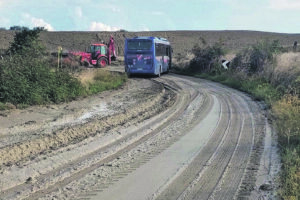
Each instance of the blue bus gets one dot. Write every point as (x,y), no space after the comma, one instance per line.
(147,55)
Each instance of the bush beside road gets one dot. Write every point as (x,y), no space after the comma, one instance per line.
(28,77)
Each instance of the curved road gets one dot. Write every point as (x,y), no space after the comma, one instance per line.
(212,159)
(204,142)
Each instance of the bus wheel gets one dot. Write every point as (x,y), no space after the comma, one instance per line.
(102,62)
(128,74)
(159,73)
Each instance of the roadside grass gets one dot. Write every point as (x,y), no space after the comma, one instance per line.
(3,106)
(259,88)
(274,78)
(288,61)
(102,80)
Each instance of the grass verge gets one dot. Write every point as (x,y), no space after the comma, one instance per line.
(105,80)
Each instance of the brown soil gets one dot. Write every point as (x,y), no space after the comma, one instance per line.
(182,41)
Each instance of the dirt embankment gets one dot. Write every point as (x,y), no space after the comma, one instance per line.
(182,41)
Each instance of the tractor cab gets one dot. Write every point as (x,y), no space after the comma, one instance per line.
(98,49)
(98,54)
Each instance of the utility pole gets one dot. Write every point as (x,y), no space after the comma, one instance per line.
(59,56)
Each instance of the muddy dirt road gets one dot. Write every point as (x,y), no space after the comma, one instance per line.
(173,137)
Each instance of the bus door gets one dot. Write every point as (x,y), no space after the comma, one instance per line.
(167,58)
(164,58)
(170,50)
(161,56)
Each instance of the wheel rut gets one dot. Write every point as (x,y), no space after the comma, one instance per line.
(223,170)
(197,139)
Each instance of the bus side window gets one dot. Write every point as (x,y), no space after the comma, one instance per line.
(157,49)
(162,50)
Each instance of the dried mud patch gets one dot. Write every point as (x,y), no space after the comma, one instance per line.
(139,103)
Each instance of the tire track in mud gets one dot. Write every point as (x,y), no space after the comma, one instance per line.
(233,174)
(28,186)
(224,168)
(229,182)
(181,107)
(178,186)
(240,175)
(163,99)
(154,147)
(216,166)
(177,110)
(37,121)
(9,155)
(228,170)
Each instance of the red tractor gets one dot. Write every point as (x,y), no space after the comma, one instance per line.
(98,54)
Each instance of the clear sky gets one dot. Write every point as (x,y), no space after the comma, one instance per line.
(152,15)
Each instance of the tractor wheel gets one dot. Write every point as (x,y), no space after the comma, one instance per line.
(86,63)
(80,63)
(102,62)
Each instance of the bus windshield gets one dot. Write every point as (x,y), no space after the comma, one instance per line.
(139,45)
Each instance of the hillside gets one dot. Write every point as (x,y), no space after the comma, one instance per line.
(182,41)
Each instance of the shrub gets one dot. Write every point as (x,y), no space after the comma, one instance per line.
(257,57)
(237,62)
(287,115)
(26,76)
(180,57)
(206,59)
(28,80)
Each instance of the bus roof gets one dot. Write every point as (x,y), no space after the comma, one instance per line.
(156,39)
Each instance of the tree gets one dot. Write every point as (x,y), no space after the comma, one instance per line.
(26,40)
(18,28)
